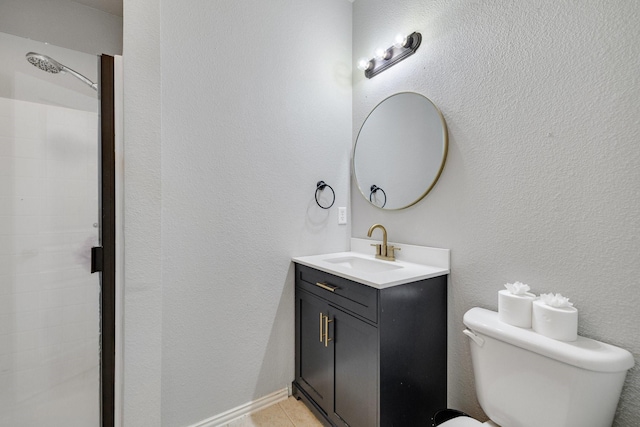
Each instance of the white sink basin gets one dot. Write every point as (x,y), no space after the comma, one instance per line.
(360,265)
(363,264)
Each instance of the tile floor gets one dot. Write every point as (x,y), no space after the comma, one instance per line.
(287,413)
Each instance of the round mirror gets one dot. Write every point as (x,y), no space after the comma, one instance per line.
(400,151)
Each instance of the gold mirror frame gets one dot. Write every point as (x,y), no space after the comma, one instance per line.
(387,123)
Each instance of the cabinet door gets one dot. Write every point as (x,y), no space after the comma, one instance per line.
(314,359)
(355,349)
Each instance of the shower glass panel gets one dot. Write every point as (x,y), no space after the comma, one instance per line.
(49,219)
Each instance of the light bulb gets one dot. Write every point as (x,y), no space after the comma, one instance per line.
(383,53)
(400,41)
(364,64)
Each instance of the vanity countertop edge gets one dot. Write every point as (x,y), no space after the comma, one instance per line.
(417,262)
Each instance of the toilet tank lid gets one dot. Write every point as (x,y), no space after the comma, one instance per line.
(583,353)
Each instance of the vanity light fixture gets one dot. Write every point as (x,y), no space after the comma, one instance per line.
(403,47)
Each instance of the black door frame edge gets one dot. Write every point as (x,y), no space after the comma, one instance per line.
(107,241)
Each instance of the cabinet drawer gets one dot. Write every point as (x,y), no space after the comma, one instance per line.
(355,297)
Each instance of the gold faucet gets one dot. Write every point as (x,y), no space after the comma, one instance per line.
(383,251)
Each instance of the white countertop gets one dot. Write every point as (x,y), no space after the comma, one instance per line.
(412,263)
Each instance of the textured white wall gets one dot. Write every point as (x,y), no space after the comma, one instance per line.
(142,215)
(541,184)
(254,107)
(63,23)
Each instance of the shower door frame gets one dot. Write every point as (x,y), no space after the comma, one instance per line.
(107,240)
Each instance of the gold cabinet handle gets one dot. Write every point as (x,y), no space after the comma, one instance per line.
(330,288)
(326,331)
(321,334)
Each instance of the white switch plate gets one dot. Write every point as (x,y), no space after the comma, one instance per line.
(342,215)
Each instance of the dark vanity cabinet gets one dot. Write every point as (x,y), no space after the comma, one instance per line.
(370,357)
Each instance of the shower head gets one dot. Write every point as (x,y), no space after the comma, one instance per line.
(52,66)
(45,63)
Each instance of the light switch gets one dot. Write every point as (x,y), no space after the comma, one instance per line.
(342,215)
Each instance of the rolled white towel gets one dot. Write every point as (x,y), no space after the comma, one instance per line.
(514,305)
(555,317)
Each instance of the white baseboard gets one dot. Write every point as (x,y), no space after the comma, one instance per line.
(242,410)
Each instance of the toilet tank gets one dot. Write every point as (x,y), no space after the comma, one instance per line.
(524,379)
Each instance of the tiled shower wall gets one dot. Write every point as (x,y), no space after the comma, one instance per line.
(49,301)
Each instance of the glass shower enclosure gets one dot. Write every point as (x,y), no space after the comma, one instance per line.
(49,221)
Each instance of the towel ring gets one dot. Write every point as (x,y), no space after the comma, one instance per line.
(321,185)
(374,190)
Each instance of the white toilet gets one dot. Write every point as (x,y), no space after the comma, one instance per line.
(524,379)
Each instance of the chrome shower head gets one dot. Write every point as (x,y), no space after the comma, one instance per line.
(45,63)
(52,66)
